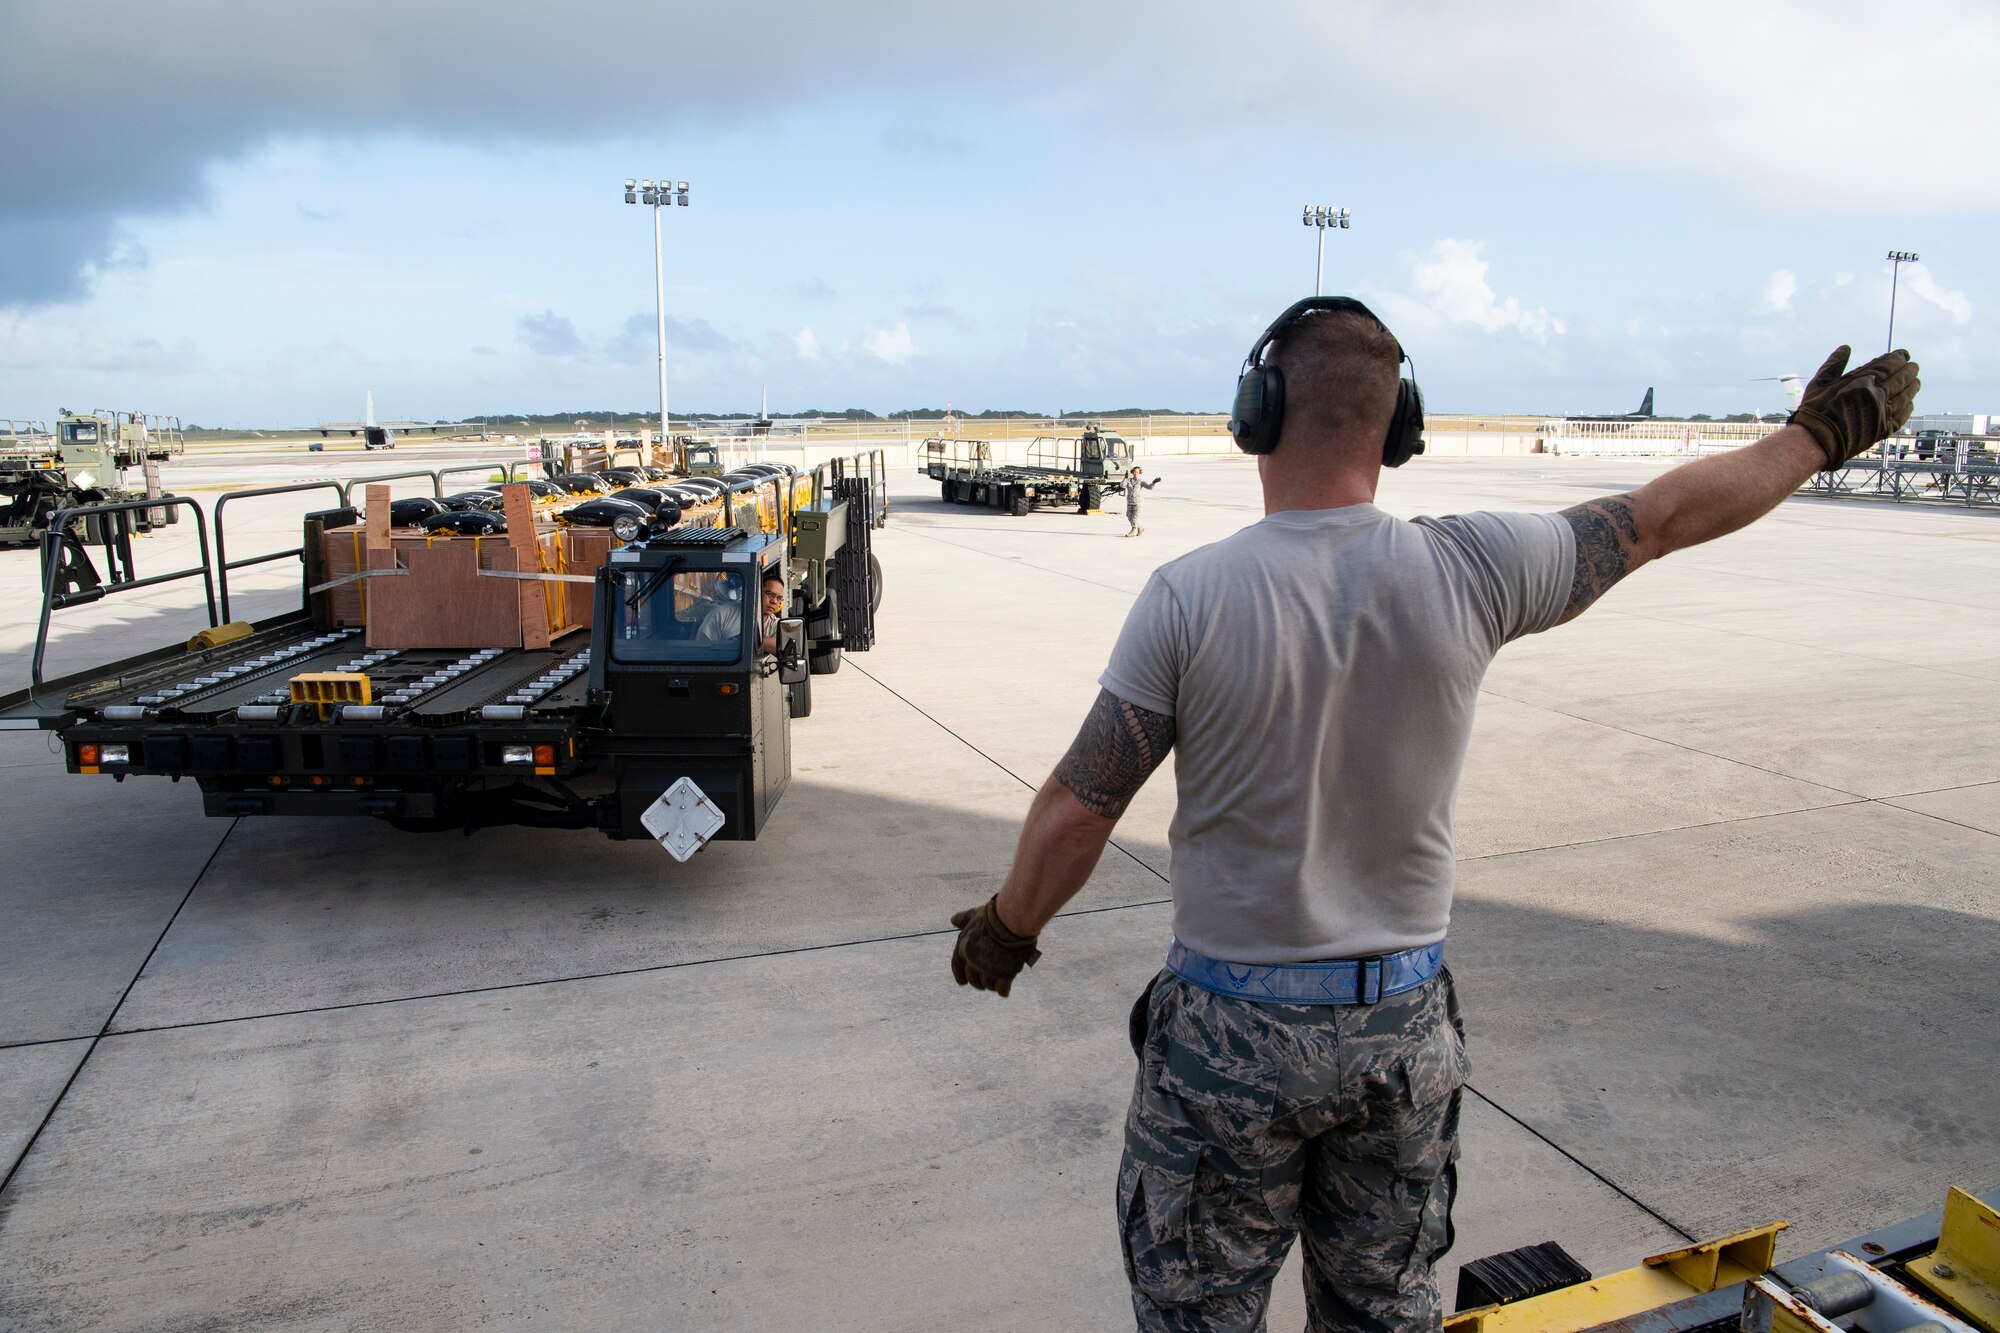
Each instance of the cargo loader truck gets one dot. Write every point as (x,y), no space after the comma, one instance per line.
(662,718)
(1061,471)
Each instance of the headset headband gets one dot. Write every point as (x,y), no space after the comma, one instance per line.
(1314,305)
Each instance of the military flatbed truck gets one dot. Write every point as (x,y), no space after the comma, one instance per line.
(84,461)
(662,719)
(1061,471)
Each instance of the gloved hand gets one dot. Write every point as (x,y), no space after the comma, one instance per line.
(1848,411)
(988,956)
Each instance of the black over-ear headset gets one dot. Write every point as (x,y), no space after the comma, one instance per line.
(1259,415)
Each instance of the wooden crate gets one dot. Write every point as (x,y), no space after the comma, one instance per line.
(454,592)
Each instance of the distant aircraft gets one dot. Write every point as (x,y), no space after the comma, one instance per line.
(1795,387)
(1645,412)
(382,434)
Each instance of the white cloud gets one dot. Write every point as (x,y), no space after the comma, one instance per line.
(892,346)
(1779,289)
(1760,100)
(1917,277)
(61,345)
(1450,282)
(805,344)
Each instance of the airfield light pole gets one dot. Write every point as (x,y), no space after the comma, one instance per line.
(1897,258)
(659,195)
(1324,217)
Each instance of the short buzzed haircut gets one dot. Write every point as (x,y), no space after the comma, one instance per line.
(1340,371)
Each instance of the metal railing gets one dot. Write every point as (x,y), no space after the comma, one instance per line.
(115,539)
(223,564)
(344,490)
(1950,471)
(437,484)
(17,433)
(505,468)
(1651,438)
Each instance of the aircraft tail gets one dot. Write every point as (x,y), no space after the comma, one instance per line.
(371,406)
(1646,404)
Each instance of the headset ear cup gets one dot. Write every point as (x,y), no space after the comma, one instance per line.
(1259,415)
(1406,426)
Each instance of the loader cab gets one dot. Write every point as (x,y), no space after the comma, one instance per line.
(1101,455)
(704,460)
(87,447)
(676,663)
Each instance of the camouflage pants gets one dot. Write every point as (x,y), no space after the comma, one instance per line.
(1254,1123)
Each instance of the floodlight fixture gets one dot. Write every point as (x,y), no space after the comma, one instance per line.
(1323,217)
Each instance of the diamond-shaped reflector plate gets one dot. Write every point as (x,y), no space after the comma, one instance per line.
(683,819)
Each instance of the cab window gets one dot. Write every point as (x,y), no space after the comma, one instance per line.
(680,617)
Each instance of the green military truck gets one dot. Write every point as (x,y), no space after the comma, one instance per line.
(1061,470)
(87,460)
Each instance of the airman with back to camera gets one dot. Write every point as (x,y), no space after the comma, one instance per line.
(1301,1053)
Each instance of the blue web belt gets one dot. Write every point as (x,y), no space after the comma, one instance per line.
(1333,981)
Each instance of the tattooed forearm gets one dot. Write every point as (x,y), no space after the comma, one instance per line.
(1117,749)
(1606,534)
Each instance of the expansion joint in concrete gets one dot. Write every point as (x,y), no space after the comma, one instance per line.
(941,726)
(1590,1170)
(112,1016)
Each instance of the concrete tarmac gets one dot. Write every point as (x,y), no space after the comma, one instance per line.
(1729,896)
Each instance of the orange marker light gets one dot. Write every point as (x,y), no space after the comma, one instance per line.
(545,755)
(86,754)
(727,687)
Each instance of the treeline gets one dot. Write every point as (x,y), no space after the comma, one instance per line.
(613,420)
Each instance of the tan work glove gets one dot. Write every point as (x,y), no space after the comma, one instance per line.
(988,956)
(1848,411)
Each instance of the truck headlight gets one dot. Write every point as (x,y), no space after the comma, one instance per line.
(114,754)
(1028,491)
(517,754)
(626,528)
(83,478)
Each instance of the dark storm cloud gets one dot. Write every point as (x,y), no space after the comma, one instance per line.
(115,108)
(42,257)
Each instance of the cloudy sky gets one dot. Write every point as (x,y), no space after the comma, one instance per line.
(249,213)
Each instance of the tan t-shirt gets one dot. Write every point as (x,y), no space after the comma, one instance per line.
(1321,667)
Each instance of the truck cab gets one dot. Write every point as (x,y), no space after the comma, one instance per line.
(701,460)
(1101,455)
(687,692)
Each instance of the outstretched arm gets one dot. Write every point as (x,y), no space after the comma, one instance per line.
(1841,413)
(1117,749)
(1703,500)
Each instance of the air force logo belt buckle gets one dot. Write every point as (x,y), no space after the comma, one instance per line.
(1332,981)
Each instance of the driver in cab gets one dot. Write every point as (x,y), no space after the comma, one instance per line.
(724,620)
